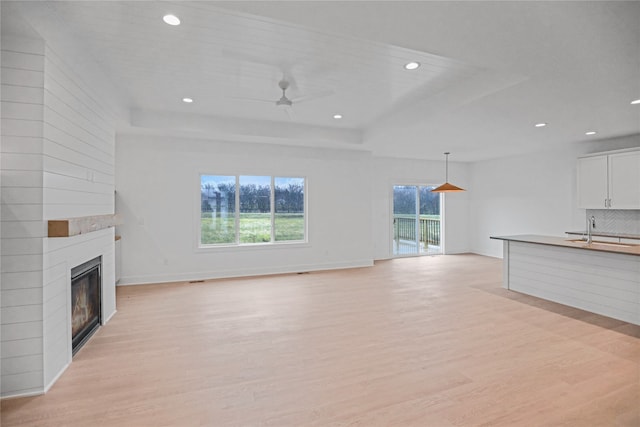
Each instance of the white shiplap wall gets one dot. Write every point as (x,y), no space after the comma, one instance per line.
(22,227)
(57,162)
(599,282)
(78,146)
(78,180)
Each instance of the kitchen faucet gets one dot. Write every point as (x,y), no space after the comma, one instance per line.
(591,224)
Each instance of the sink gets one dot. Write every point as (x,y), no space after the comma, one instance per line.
(597,243)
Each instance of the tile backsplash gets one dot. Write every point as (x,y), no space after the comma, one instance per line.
(616,221)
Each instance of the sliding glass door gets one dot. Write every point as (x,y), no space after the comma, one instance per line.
(416,221)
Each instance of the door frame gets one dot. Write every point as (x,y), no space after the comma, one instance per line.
(390,222)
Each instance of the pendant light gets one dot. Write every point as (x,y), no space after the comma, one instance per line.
(446,187)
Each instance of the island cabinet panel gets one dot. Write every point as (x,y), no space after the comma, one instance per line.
(599,282)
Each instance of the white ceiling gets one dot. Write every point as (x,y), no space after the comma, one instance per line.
(490,70)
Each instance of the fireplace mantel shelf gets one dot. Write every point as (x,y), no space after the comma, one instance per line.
(81,225)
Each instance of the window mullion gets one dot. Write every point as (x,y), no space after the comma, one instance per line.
(417,223)
(273,209)
(237,209)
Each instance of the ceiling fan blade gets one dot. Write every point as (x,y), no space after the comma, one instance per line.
(312,97)
(283,65)
(241,98)
(247,57)
(289,112)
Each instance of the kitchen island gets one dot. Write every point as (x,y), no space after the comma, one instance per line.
(600,277)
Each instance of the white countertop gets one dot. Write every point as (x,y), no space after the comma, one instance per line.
(629,249)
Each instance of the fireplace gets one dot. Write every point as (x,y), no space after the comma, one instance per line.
(86,282)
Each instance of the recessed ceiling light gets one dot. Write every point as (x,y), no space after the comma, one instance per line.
(411,65)
(540,125)
(591,132)
(187,100)
(171,19)
(636,101)
(337,116)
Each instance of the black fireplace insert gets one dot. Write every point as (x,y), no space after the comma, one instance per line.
(86,283)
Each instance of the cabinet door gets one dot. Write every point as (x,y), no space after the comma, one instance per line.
(624,180)
(592,182)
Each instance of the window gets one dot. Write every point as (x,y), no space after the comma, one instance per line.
(217,218)
(255,209)
(289,209)
(236,210)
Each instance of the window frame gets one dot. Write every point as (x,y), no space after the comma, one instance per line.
(237,245)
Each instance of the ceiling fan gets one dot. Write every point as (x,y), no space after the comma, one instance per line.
(284,102)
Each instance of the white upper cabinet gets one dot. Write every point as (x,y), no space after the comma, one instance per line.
(593,190)
(624,180)
(609,181)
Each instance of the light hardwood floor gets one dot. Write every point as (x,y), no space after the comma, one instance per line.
(431,341)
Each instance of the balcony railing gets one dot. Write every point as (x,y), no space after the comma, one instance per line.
(404,228)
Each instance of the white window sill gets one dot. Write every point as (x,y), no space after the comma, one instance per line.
(251,247)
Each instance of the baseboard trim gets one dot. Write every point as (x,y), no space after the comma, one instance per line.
(109,318)
(228,274)
(457,251)
(18,395)
(53,381)
(36,392)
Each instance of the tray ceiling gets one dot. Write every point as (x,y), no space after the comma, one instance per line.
(488,72)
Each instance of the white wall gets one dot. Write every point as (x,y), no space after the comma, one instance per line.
(57,162)
(78,180)
(22,214)
(350,197)
(390,171)
(157,183)
(532,194)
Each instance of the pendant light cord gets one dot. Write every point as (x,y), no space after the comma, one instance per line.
(446,167)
